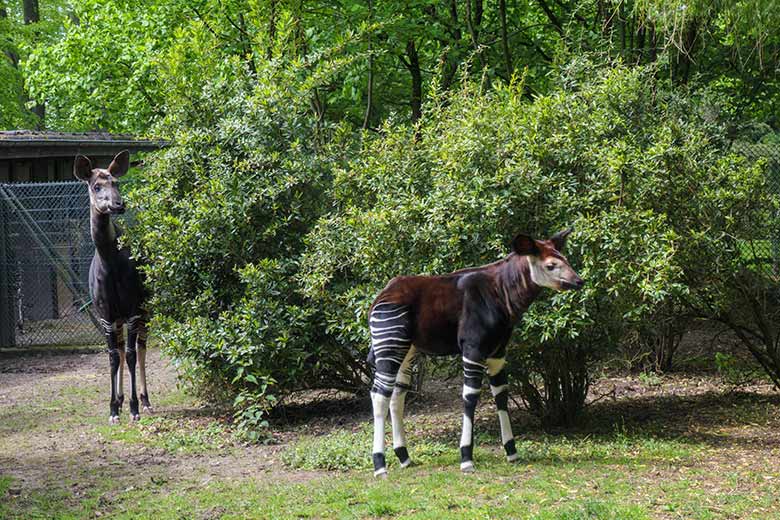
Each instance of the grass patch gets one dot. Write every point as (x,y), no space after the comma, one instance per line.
(498,490)
(347,450)
(173,435)
(5,485)
(350,450)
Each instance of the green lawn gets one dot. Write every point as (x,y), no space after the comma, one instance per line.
(708,454)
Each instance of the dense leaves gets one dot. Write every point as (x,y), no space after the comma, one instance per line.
(222,220)
(119,64)
(637,171)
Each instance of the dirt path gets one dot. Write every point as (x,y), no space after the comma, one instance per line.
(54,432)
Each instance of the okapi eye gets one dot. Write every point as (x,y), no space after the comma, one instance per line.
(550,267)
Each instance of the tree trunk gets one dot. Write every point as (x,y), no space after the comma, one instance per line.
(452,57)
(471,23)
(505,40)
(31,11)
(31,15)
(640,42)
(370,85)
(412,63)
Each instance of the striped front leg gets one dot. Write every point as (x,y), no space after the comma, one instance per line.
(499,387)
(112,338)
(473,372)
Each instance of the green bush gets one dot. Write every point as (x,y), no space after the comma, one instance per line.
(223,214)
(642,175)
(267,233)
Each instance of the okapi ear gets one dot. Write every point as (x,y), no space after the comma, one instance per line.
(524,245)
(559,238)
(120,164)
(82,168)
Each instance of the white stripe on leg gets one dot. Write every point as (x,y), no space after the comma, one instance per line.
(381,404)
(398,400)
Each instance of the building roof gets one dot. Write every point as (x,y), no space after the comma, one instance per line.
(31,144)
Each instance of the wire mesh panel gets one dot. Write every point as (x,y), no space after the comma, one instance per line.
(45,253)
(764,247)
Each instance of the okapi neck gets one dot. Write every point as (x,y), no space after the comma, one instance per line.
(103,234)
(517,288)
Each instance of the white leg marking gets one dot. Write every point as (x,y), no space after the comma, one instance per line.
(494,365)
(467,390)
(398,400)
(142,370)
(495,390)
(380,404)
(465,437)
(506,427)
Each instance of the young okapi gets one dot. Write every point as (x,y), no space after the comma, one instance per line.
(470,313)
(115,283)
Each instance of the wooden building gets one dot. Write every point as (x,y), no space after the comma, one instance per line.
(36,156)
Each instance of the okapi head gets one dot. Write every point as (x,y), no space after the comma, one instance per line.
(104,194)
(549,268)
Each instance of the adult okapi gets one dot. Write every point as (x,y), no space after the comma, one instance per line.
(114,282)
(471,313)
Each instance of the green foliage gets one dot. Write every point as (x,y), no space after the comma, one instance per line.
(16,41)
(640,173)
(341,451)
(119,65)
(224,212)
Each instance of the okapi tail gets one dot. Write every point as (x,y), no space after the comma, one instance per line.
(371,359)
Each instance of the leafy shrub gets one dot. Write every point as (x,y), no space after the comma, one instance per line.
(223,214)
(643,175)
(267,235)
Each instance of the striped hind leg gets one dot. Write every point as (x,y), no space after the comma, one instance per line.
(390,342)
(397,401)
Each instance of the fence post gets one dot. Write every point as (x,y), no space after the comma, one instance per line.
(7,315)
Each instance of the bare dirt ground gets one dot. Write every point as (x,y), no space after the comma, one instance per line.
(52,412)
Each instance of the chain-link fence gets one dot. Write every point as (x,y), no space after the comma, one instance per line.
(763,248)
(45,253)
